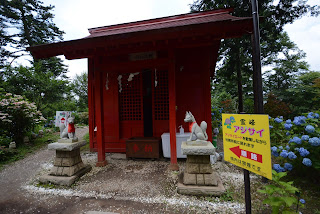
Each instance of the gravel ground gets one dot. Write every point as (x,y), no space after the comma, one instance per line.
(123,186)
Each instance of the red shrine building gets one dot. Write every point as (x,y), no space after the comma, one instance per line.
(143,76)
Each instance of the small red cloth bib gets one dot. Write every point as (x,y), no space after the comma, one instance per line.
(71,128)
(190,126)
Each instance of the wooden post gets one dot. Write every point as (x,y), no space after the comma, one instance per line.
(99,118)
(91,102)
(172,113)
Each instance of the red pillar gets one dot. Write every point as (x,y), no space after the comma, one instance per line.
(172,113)
(91,102)
(99,118)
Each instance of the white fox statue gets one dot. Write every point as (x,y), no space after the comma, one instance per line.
(197,132)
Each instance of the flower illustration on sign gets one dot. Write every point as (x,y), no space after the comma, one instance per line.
(229,121)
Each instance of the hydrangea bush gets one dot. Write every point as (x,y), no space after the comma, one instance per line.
(296,144)
(17,116)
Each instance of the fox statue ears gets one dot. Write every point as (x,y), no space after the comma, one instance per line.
(189,113)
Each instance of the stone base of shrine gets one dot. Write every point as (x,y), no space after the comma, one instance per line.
(64,180)
(200,190)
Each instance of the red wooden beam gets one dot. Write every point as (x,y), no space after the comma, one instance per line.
(172,113)
(99,117)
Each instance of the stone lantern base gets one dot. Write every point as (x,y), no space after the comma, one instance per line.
(68,165)
(199,178)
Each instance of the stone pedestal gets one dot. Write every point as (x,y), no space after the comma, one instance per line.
(199,178)
(68,165)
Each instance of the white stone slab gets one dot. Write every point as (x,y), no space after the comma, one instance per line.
(66,146)
(192,148)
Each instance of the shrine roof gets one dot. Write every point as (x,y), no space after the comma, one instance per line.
(170,27)
(166,22)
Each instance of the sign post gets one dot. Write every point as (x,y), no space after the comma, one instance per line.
(246,143)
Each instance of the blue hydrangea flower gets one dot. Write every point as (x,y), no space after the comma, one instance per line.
(270,127)
(307,162)
(280,147)
(316,115)
(291,155)
(284,153)
(305,137)
(296,140)
(299,120)
(288,121)
(310,115)
(287,147)
(303,152)
(212,114)
(275,153)
(270,117)
(288,133)
(314,141)
(278,120)
(278,168)
(302,201)
(274,149)
(287,126)
(288,166)
(309,129)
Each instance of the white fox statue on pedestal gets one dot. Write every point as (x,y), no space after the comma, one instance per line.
(197,132)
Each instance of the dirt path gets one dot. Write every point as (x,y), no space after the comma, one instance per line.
(123,186)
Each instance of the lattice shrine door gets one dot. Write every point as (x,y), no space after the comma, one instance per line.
(143,103)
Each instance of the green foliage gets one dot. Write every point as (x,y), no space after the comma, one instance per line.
(79,87)
(18,116)
(43,88)
(305,93)
(234,65)
(227,196)
(281,195)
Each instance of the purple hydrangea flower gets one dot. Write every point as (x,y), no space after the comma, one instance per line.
(278,120)
(305,137)
(314,141)
(278,168)
(287,126)
(291,155)
(302,201)
(296,140)
(307,162)
(288,166)
(284,153)
(303,152)
(309,129)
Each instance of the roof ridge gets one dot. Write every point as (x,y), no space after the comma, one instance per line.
(160,20)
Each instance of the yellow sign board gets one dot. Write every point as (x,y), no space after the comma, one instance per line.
(246,142)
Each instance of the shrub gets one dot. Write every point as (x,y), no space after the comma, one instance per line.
(300,147)
(18,116)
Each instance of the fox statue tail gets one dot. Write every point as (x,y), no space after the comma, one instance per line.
(204,126)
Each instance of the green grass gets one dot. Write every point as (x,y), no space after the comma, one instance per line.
(25,149)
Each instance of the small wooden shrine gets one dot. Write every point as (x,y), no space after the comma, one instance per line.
(143,76)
